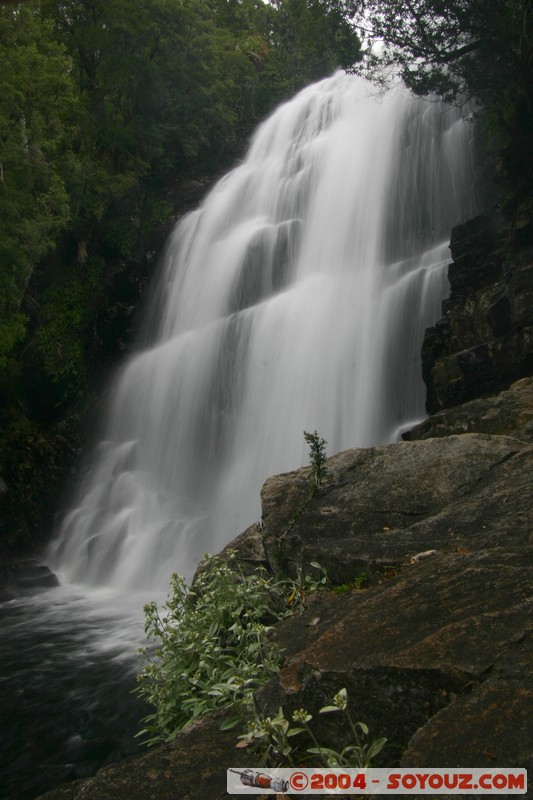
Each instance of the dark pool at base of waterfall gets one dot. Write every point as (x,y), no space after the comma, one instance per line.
(67,672)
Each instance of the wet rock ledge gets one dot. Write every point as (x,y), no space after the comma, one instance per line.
(436,652)
(24,577)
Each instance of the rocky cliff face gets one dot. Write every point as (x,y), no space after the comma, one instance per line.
(484,341)
(436,649)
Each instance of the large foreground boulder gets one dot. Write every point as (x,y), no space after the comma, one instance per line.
(381,507)
(436,651)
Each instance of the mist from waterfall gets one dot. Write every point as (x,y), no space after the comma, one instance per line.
(295,298)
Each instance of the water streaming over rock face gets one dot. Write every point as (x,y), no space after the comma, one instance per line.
(294,298)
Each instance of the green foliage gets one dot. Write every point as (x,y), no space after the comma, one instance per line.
(268,736)
(66,312)
(213,646)
(463,49)
(441,45)
(37,93)
(305,585)
(317,455)
(358,754)
(12,330)
(357,583)
(272,738)
(309,39)
(213,649)
(35,461)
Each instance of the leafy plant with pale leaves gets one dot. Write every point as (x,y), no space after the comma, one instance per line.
(213,647)
(214,651)
(271,737)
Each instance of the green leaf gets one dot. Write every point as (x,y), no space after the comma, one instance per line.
(375,748)
(295,731)
(229,724)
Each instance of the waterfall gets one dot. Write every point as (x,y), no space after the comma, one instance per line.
(295,298)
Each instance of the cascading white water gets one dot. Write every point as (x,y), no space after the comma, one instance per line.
(295,298)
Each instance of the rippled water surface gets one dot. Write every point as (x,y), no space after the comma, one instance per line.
(67,670)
